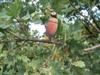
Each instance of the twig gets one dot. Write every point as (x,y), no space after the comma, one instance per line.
(19,39)
(14,34)
(38,40)
(33,40)
(92,48)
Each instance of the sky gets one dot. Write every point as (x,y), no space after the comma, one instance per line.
(37,27)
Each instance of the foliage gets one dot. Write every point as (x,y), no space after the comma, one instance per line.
(37,58)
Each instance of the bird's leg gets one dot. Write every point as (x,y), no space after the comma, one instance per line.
(51,39)
(48,38)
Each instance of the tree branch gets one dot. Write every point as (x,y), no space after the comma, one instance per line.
(14,34)
(38,40)
(92,48)
(33,40)
(20,39)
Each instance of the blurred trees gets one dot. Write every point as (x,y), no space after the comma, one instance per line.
(22,55)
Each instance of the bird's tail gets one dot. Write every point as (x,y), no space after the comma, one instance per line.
(45,37)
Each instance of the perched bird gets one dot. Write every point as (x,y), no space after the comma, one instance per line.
(52,25)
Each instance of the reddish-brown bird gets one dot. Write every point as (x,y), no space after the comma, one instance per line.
(52,25)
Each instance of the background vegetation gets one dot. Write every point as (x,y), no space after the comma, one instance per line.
(22,55)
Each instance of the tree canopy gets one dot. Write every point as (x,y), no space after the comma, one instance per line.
(75,49)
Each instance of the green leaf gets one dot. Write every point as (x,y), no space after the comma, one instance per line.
(1,34)
(35,64)
(59,5)
(79,63)
(31,9)
(4,54)
(15,8)
(3,14)
(56,68)
(23,58)
(26,17)
(4,26)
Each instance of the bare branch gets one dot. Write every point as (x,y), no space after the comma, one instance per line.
(14,34)
(92,48)
(33,40)
(44,41)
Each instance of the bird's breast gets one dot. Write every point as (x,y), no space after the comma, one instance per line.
(51,28)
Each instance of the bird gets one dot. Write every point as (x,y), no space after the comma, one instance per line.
(52,25)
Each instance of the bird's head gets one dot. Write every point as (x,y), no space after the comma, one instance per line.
(54,14)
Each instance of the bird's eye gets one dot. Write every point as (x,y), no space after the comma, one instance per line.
(53,13)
